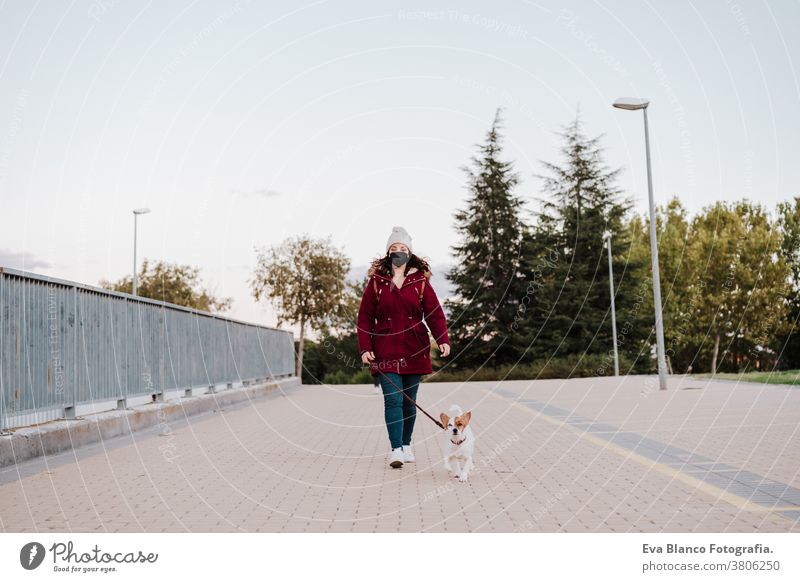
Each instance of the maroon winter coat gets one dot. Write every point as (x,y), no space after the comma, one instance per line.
(390,323)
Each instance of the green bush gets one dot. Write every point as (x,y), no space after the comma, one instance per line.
(560,367)
(362,377)
(586,366)
(337,377)
(342,377)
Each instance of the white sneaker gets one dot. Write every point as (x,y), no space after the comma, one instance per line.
(396,458)
(408,456)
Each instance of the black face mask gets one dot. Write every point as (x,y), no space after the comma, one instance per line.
(399,258)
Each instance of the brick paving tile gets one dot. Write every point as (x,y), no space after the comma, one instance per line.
(593,455)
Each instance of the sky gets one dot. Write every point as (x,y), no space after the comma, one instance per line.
(240,124)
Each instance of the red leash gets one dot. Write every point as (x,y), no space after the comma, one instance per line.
(407,397)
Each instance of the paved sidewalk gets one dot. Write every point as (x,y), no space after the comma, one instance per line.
(579,455)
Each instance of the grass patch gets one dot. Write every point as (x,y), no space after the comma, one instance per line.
(777,377)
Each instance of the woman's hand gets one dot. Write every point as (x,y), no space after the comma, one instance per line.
(445,349)
(367,357)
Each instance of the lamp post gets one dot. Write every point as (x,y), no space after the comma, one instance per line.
(633,104)
(136,214)
(607,238)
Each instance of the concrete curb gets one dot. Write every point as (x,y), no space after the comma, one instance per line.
(54,437)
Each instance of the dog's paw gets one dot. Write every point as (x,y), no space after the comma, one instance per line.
(462,478)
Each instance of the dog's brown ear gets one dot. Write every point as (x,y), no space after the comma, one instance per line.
(445,419)
(465,417)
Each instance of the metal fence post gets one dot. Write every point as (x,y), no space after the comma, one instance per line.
(3,421)
(162,344)
(70,392)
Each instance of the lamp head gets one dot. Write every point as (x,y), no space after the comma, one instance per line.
(141,211)
(631,103)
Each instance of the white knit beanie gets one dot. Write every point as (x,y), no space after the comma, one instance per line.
(399,235)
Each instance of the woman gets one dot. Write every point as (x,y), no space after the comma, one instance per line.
(392,339)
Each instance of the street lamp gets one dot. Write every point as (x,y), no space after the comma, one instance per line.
(607,238)
(136,214)
(632,104)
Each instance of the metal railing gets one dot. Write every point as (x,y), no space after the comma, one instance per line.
(64,344)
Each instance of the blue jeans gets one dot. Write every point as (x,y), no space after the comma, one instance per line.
(398,412)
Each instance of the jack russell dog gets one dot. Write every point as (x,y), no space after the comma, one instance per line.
(461,442)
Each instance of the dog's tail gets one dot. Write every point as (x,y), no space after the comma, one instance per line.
(455,410)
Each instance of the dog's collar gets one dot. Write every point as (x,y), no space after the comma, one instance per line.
(459,442)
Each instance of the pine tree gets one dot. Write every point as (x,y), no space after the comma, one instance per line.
(571,314)
(486,279)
